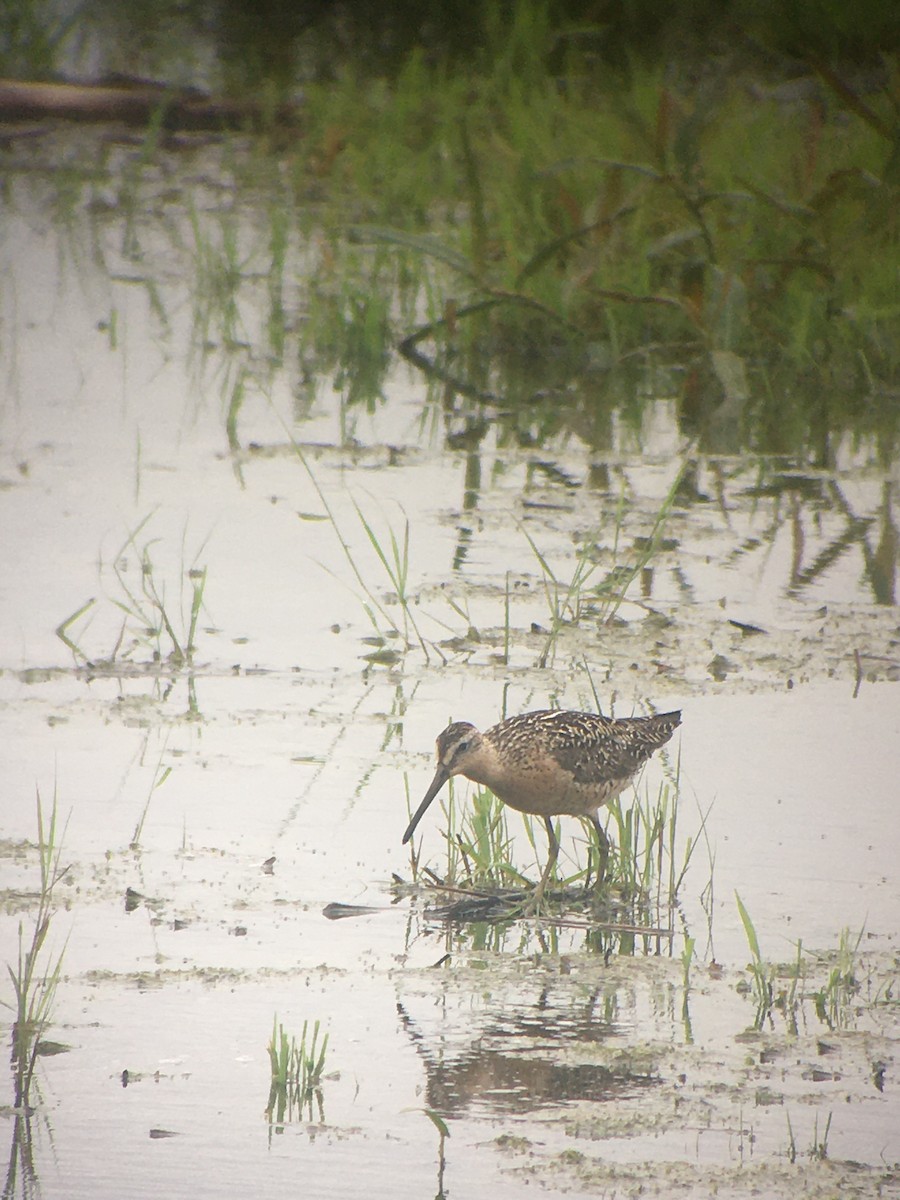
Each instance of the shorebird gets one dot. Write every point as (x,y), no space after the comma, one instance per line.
(550,763)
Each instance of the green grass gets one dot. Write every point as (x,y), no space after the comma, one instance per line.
(762,975)
(160,775)
(392,554)
(155,627)
(395,613)
(484,844)
(523,218)
(575,598)
(686,222)
(36,973)
(785,988)
(297,1069)
(833,999)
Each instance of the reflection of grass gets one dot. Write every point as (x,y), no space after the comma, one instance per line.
(742,256)
(219,275)
(35,979)
(297,1069)
(525,210)
(687,959)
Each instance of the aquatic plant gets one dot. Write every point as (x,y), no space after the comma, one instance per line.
(786,987)
(651,227)
(819,1147)
(393,556)
(833,998)
(220,272)
(644,876)
(569,601)
(443,1133)
(761,973)
(152,623)
(485,844)
(297,1069)
(35,975)
(160,775)
(527,216)
(687,961)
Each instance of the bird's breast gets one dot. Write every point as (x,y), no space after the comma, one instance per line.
(546,792)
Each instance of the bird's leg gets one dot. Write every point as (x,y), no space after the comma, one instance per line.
(538,894)
(602,850)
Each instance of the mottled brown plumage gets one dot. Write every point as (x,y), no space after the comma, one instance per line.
(550,763)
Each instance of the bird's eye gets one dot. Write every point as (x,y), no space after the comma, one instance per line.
(462,747)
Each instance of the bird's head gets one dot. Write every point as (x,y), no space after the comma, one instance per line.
(456,749)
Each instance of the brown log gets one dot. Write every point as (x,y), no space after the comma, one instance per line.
(136,104)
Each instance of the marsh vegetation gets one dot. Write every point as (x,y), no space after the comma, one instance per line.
(502,362)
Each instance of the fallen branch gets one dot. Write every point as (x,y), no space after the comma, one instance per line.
(135,104)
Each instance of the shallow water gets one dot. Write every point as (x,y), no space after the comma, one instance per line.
(282,739)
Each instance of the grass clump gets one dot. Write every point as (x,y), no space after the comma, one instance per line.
(297,1070)
(679,221)
(517,216)
(785,988)
(644,875)
(153,626)
(484,845)
(570,600)
(833,998)
(36,974)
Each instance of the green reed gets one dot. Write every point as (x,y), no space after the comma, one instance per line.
(36,974)
(154,626)
(762,974)
(572,598)
(833,998)
(485,843)
(394,558)
(297,1069)
(646,868)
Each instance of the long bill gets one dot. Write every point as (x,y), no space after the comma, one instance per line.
(440,778)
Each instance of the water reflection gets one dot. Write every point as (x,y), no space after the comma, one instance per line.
(484,920)
(21,1173)
(535,438)
(515,1062)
